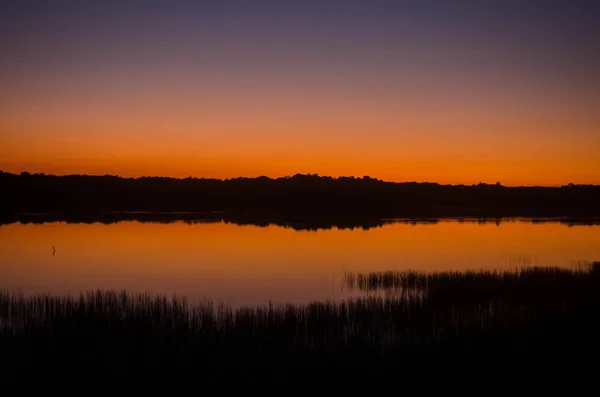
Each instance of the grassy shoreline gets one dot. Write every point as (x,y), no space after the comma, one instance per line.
(534,310)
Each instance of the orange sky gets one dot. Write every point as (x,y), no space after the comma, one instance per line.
(401,94)
(445,147)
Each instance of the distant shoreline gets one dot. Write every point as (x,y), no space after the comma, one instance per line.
(293,199)
(341,178)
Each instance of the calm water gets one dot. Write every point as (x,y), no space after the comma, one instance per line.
(251,265)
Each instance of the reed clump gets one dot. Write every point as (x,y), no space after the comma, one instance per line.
(529,310)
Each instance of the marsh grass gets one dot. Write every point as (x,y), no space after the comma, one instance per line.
(530,310)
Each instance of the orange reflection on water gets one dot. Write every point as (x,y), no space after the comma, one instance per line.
(252,265)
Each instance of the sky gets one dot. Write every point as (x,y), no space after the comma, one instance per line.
(462,91)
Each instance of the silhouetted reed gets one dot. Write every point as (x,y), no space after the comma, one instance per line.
(528,310)
(520,285)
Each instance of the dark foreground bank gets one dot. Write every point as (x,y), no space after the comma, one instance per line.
(529,312)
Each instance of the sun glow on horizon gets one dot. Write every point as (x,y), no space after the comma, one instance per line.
(398,92)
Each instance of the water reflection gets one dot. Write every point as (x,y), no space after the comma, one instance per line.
(227,260)
(303,222)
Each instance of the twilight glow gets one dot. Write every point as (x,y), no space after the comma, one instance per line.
(442,91)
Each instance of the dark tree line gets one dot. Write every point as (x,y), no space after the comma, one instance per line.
(295,197)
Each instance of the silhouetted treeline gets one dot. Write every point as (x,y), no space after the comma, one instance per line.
(286,197)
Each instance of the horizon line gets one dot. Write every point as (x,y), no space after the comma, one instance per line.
(364,177)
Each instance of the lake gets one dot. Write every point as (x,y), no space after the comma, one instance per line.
(252,265)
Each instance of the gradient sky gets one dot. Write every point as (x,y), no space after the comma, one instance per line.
(444,91)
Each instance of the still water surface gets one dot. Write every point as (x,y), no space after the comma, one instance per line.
(251,265)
